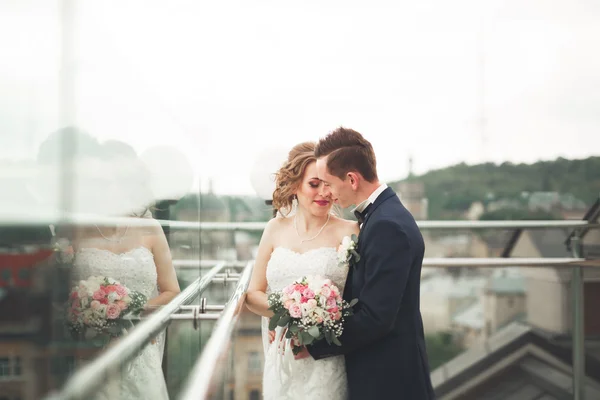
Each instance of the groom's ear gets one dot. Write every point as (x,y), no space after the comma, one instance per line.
(354,178)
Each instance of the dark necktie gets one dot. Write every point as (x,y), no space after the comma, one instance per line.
(360,216)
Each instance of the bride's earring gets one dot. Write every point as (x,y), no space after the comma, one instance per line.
(295,201)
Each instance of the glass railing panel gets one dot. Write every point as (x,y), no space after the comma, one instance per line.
(84,179)
(186,338)
(238,371)
(184,346)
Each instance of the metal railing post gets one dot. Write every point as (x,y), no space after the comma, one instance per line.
(578,322)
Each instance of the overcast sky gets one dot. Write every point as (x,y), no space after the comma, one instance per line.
(224,80)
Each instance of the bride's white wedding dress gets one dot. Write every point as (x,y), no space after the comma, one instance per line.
(306,378)
(143,378)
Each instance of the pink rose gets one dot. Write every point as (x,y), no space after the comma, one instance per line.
(331,303)
(288,290)
(295,311)
(288,304)
(95,304)
(338,316)
(299,288)
(76,303)
(113,311)
(110,288)
(325,291)
(121,291)
(99,294)
(333,310)
(312,304)
(319,320)
(308,293)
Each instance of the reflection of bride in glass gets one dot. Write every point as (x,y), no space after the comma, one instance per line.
(113,181)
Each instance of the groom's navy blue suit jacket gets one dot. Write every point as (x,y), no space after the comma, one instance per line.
(383,341)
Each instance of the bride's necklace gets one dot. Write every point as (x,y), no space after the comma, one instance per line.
(314,237)
(112,239)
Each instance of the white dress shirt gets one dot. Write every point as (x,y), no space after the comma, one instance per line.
(371,199)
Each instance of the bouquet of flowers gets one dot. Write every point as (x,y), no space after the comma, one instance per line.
(98,306)
(311,309)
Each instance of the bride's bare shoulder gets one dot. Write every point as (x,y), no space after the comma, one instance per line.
(276,224)
(346,227)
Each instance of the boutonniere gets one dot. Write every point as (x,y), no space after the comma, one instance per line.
(347,253)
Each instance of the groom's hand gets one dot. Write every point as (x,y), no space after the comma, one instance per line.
(302,354)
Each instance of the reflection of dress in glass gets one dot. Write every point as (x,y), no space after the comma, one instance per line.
(143,378)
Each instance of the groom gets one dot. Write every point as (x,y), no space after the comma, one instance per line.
(383,342)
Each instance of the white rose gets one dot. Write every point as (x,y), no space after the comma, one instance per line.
(346,242)
(315,283)
(101,311)
(112,296)
(305,309)
(93,286)
(84,302)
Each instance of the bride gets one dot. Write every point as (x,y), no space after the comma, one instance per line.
(138,257)
(302,240)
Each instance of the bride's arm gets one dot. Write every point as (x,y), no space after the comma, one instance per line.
(256,297)
(167,278)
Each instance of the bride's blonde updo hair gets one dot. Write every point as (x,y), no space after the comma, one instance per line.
(289,176)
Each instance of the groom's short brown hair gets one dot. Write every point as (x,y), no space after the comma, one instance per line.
(347,150)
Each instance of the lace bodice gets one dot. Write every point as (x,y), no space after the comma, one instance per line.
(286,266)
(309,379)
(134,268)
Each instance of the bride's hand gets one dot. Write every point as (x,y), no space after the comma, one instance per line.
(271,336)
(302,354)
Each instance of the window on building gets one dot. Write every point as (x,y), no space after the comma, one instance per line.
(254,362)
(17,366)
(4,366)
(5,276)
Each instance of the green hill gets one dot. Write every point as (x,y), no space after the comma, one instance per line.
(453,189)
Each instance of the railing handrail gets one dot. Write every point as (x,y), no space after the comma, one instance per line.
(446,262)
(198,383)
(202,264)
(40,220)
(88,378)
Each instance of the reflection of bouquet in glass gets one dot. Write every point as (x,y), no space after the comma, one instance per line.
(98,306)
(311,309)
